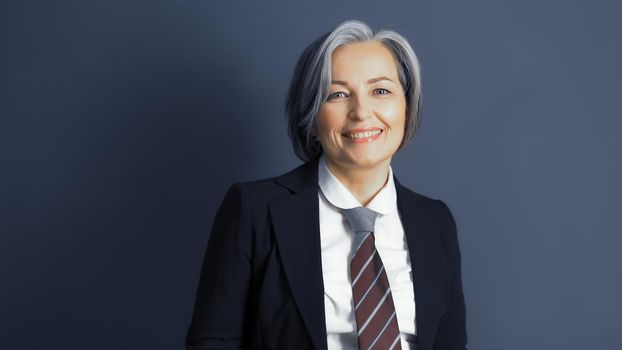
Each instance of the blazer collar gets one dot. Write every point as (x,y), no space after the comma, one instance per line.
(295,219)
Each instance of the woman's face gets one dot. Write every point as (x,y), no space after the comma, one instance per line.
(361,124)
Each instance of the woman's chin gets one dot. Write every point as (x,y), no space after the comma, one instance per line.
(366,161)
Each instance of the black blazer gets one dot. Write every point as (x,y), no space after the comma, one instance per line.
(261,284)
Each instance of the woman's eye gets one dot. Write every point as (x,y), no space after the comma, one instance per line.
(335,95)
(383,91)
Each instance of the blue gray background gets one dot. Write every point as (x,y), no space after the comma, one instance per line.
(122,124)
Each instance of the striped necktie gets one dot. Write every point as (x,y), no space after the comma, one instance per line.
(376,320)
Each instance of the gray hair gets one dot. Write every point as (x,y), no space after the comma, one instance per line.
(310,84)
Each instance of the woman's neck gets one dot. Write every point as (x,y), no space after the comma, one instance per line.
(363,183)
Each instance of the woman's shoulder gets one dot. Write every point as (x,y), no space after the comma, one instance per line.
(284,182)
(432,208)
(429,202)
(261,191)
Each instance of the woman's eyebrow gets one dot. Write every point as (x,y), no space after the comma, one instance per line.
(370,81)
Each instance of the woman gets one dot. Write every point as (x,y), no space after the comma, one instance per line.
(336,254)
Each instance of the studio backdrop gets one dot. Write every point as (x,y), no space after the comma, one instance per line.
(123,123)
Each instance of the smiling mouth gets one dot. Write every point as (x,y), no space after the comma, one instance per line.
(362,135)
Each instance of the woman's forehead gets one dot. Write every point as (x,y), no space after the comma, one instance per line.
(368,60)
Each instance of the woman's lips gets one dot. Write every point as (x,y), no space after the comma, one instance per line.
(363,135)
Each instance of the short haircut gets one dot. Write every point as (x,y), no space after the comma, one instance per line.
(310,84)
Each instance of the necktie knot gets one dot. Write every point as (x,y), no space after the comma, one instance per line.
(362,219)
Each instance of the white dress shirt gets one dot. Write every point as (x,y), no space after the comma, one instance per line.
(337,238)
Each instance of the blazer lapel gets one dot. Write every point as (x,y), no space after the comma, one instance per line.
(426,258)
(295,219)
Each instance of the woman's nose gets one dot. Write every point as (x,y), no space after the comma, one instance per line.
(361,107)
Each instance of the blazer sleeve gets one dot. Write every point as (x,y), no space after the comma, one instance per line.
(220,318)
(451,334)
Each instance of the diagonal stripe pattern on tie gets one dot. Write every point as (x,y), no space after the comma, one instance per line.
(376,320)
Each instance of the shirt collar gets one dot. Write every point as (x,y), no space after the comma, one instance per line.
(339,196)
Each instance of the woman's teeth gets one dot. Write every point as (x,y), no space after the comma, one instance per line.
(362,135)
